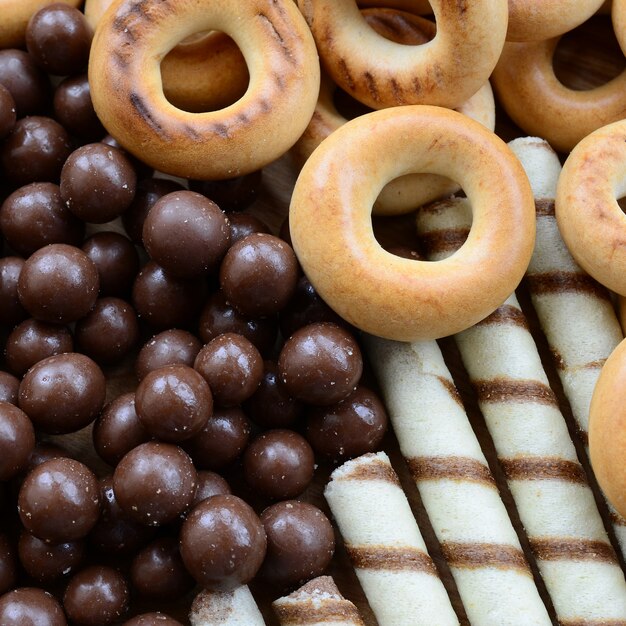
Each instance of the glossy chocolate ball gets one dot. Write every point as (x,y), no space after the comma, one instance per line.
(258,274)
(171,347)
(27,83)
(154,483)
(73,108)
(300,543)
(152,619)
(244,224)
(17,440)
(11,309)
(8,564)
(28,606)
(279,464)
(233,194)
(320,364)
(210,484)
(58,283)
(9,388)
(47,562)
(222,543)
(8,115)
(59,501)
(63,393)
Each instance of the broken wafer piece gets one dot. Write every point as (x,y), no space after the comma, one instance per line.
(225,608)
(318,603)
(385,545)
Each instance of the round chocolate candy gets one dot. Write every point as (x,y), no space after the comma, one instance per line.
(300,543)
(154,483)
(279,464)
(59,501)
(210,484)
(222,543)
(320,364)
(244,224)
(233,194)
(73,108)
(27,83)
(8,564)
(152,619)
(9,388)
(11,309)
(171,347)
(8,115)
(28,606)
(17,440)
(47,562)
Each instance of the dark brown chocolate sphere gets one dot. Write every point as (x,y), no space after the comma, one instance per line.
(221,441)
(96,596)
(28,606)
(210,484)
(98,182)
(300,543)
(154,483)
(59,501)
(9,388)
(258,274)
(47,562)
(8,564)
(173,402)
(8,115)
(73,108)
(58,283)
(63,393)
(171,347)
(27,83)
(32,341)
(17,440)
(152,619)
(186,234)
(233,194)
(34,216)
(232,366)
(320,364)
(118,430)
(222,543)
(279,464)
(244,224)
(11,309)
(349,428)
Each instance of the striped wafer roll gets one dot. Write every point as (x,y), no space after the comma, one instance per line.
(553,498)
(226,608)
(385,545)
(318,603)
(575,312)
(456,486)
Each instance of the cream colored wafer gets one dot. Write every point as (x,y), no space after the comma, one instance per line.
(225,608)
(318,603)
(455,484)
(385,545)
(549,486)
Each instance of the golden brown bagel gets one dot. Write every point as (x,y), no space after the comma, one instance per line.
(387,295)
(134,36)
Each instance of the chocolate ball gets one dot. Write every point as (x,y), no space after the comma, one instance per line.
(17,440)
(98,183)
(154,483)
(210,484)
(8,115)
(258,274)
(32,341)
(9,388)
(27,83)
(300,543)
(171,347)
(8,564)
(244,224)
(59,501)
(320,364)
(28,606)
(173,403)
(186,234)
(152,619)
(73,108)
(11,309)
(47,562)
(96,596)
(349,428)
(58,283)
(63,393)
(279,464)
(222,543)
(232,366)
(35,215)
(233,194)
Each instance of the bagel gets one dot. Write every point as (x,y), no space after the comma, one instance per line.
(134,36)
(393,297)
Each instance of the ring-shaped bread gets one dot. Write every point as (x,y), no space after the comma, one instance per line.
(380,73)
(394,297)
(591,221)
(133,37)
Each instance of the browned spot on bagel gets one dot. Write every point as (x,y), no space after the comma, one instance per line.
(479,555)
(563,282)
(546,468)
(280,81)
(441,241)
(451,389)
(544,207)
(510,390)
(375,469)
(190,131)
(388,558)
(417,85)
(450,468)
(275,33)
(345,71)
(396,88)
(572,549)
(144,112)
(220,129)
(370,81)
(506,314)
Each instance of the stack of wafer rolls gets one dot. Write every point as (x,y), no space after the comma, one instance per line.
(385,545)
(318,603)
(549,486)
(457,488)
(575,312)
(226,608)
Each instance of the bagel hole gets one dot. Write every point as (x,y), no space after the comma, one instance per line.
(621,202)
(396,234)
(589,55)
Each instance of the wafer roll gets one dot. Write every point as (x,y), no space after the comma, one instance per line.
(456,486)
(318,603)
(225,608)
(553,498)
(385,545)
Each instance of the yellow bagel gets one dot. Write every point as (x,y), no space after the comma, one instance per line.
(134,36)
(387,295)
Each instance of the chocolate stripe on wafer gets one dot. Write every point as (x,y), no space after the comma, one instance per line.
(510,390)
(374,470)
(450,468)
(563,282)
(478,555)
(555,549)
(544,207)
(543,469)
(228,608)
(381,557)
(506,314)
(448,240)
(597,622)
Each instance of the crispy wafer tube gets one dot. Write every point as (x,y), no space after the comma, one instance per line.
(456,486)
(226,608)
(553,498)
(575,312)
(318,603)
(385,545)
